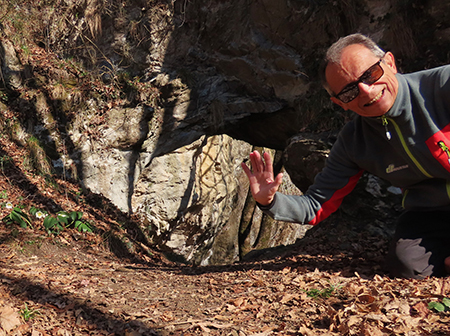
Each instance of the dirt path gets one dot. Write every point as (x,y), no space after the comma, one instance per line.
(66,288)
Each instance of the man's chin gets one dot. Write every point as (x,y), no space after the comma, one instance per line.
(370,113)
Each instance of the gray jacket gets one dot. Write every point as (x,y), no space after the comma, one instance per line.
(408,146)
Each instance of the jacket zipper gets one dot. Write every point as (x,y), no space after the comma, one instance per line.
(385,123)
(403,142)
(445,149)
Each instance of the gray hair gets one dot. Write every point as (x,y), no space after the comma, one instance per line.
(334,53)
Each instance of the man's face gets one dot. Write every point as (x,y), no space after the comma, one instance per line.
(373,100)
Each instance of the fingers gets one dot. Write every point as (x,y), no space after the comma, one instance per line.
(275,184)
(268,160)
(257,162)
(279,179)
(260,164)
(263,185)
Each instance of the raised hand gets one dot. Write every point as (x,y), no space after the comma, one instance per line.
(263,185)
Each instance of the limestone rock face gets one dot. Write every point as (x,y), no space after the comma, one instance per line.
(11,66)
(109,158)
(187,196)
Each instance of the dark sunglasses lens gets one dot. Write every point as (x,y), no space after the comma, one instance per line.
(373,74)
(349,94)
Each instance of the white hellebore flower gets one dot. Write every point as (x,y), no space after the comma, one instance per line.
(40,214)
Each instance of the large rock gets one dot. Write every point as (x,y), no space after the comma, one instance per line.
(187,196)
(108,160)
(11,67)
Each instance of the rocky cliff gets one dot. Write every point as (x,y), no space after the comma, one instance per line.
(154,104)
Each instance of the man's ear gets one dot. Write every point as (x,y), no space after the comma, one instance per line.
(338,102)
(389,60)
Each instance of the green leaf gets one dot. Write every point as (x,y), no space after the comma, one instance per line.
(21,213)
(20,217)
(82,227)
(33,211)
(52,225)
(439,307)
(446,302)
(63,218)
(76,215)
(50,222)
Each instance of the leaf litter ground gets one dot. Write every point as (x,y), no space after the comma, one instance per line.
(73,283)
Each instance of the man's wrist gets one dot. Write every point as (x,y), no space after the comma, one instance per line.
(267,206)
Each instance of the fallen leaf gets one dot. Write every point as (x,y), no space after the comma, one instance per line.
(421,309)
(9,319)
(221,318)
(370,330)
(167,316)
(288,297)
(306,331)
(377,317)
(239,302)
(365,298)
(34,332)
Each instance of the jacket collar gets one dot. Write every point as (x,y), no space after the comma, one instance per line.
(403,99)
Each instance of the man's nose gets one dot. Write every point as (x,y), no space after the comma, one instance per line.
(364,88)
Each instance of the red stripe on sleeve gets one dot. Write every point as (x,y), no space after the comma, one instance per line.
(335,201)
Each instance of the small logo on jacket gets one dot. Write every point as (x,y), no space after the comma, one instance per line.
(391,168)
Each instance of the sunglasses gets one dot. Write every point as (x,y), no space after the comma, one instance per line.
(351,91)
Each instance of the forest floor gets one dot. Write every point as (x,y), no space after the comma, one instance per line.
(77,283)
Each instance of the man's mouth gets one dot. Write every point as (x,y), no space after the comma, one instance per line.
(375,99)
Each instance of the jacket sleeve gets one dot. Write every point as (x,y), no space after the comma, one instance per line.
(337,179)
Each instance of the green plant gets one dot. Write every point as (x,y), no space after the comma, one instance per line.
(78,195)
(17,216)
(52,225)
(324,293)
(65,219)
(440,307)
(27,313)
(74,219)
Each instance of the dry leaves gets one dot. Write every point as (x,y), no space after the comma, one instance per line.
(9,318)
(92,293)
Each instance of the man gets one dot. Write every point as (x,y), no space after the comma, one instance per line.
(401,133)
